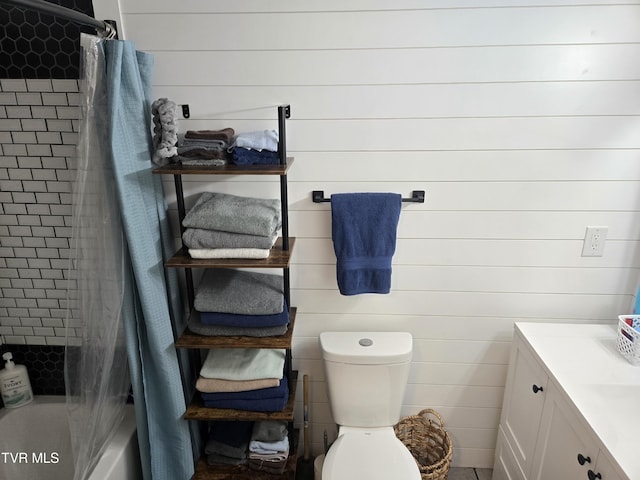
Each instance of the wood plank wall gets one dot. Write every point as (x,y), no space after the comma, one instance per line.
(521,120)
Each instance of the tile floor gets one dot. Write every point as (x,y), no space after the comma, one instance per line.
(470,474)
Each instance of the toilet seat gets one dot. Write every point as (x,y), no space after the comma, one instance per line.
(369,454)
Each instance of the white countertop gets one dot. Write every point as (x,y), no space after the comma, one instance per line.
(601,383)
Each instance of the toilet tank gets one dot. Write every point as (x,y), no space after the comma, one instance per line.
(367,375)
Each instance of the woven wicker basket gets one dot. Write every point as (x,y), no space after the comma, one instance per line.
(429,443)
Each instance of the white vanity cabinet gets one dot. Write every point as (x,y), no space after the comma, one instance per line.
(522,408)
(564,449)
(562,417)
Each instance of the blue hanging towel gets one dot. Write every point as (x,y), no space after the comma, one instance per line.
(364,227)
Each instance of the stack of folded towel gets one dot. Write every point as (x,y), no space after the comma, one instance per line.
(263,445)
(228,442)
(244,379)
(232,302)
(205,147)
(230,226)
(255,148)
(269,447)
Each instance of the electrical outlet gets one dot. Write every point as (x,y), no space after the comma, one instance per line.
(594,240)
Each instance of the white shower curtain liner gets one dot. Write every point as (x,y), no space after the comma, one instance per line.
(96,371)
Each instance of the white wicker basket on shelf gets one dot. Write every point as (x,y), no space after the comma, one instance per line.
(628,340)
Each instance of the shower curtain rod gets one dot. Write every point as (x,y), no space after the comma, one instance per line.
(106,29)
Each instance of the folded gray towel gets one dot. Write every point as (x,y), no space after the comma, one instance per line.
(226,134)
(269,431)
(226,290)
(201,162)
(221,448)
(201,238)
(217,459)
(232,213)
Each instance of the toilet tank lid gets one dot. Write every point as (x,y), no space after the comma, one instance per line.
(366,348)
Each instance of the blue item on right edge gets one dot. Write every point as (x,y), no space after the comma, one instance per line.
(364,228)
(636,307)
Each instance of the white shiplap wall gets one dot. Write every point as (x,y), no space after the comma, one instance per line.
(521,122)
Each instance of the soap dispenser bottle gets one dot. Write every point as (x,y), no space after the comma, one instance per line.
(15,386)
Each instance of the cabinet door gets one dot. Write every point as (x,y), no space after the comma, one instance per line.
(523,401)
(604,468)
(505,467)
(564,450)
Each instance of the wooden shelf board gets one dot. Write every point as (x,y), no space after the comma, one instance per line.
(204,471)
(179,169)
(278,258)
(197,410)
(188,339)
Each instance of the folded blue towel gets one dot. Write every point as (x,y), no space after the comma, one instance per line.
(261,393)
(225,331)
(245,321)
(364,227)
(263,404)
(247,156)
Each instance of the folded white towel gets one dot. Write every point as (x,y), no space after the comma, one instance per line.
(251,253)
(243,363)
(258,140)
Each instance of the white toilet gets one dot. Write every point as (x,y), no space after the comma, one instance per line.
(366,377)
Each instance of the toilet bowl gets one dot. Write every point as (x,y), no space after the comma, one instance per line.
(366,377)
(369,453)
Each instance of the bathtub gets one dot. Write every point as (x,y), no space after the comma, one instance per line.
(35,444)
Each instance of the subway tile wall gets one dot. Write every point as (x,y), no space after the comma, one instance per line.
(38,135)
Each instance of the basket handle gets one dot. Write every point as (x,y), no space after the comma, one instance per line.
(425,412)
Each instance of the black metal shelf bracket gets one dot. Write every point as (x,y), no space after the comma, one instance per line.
(417,196)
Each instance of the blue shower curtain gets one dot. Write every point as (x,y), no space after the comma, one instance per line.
(151,303)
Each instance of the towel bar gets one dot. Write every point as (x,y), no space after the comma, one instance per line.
(417,196)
